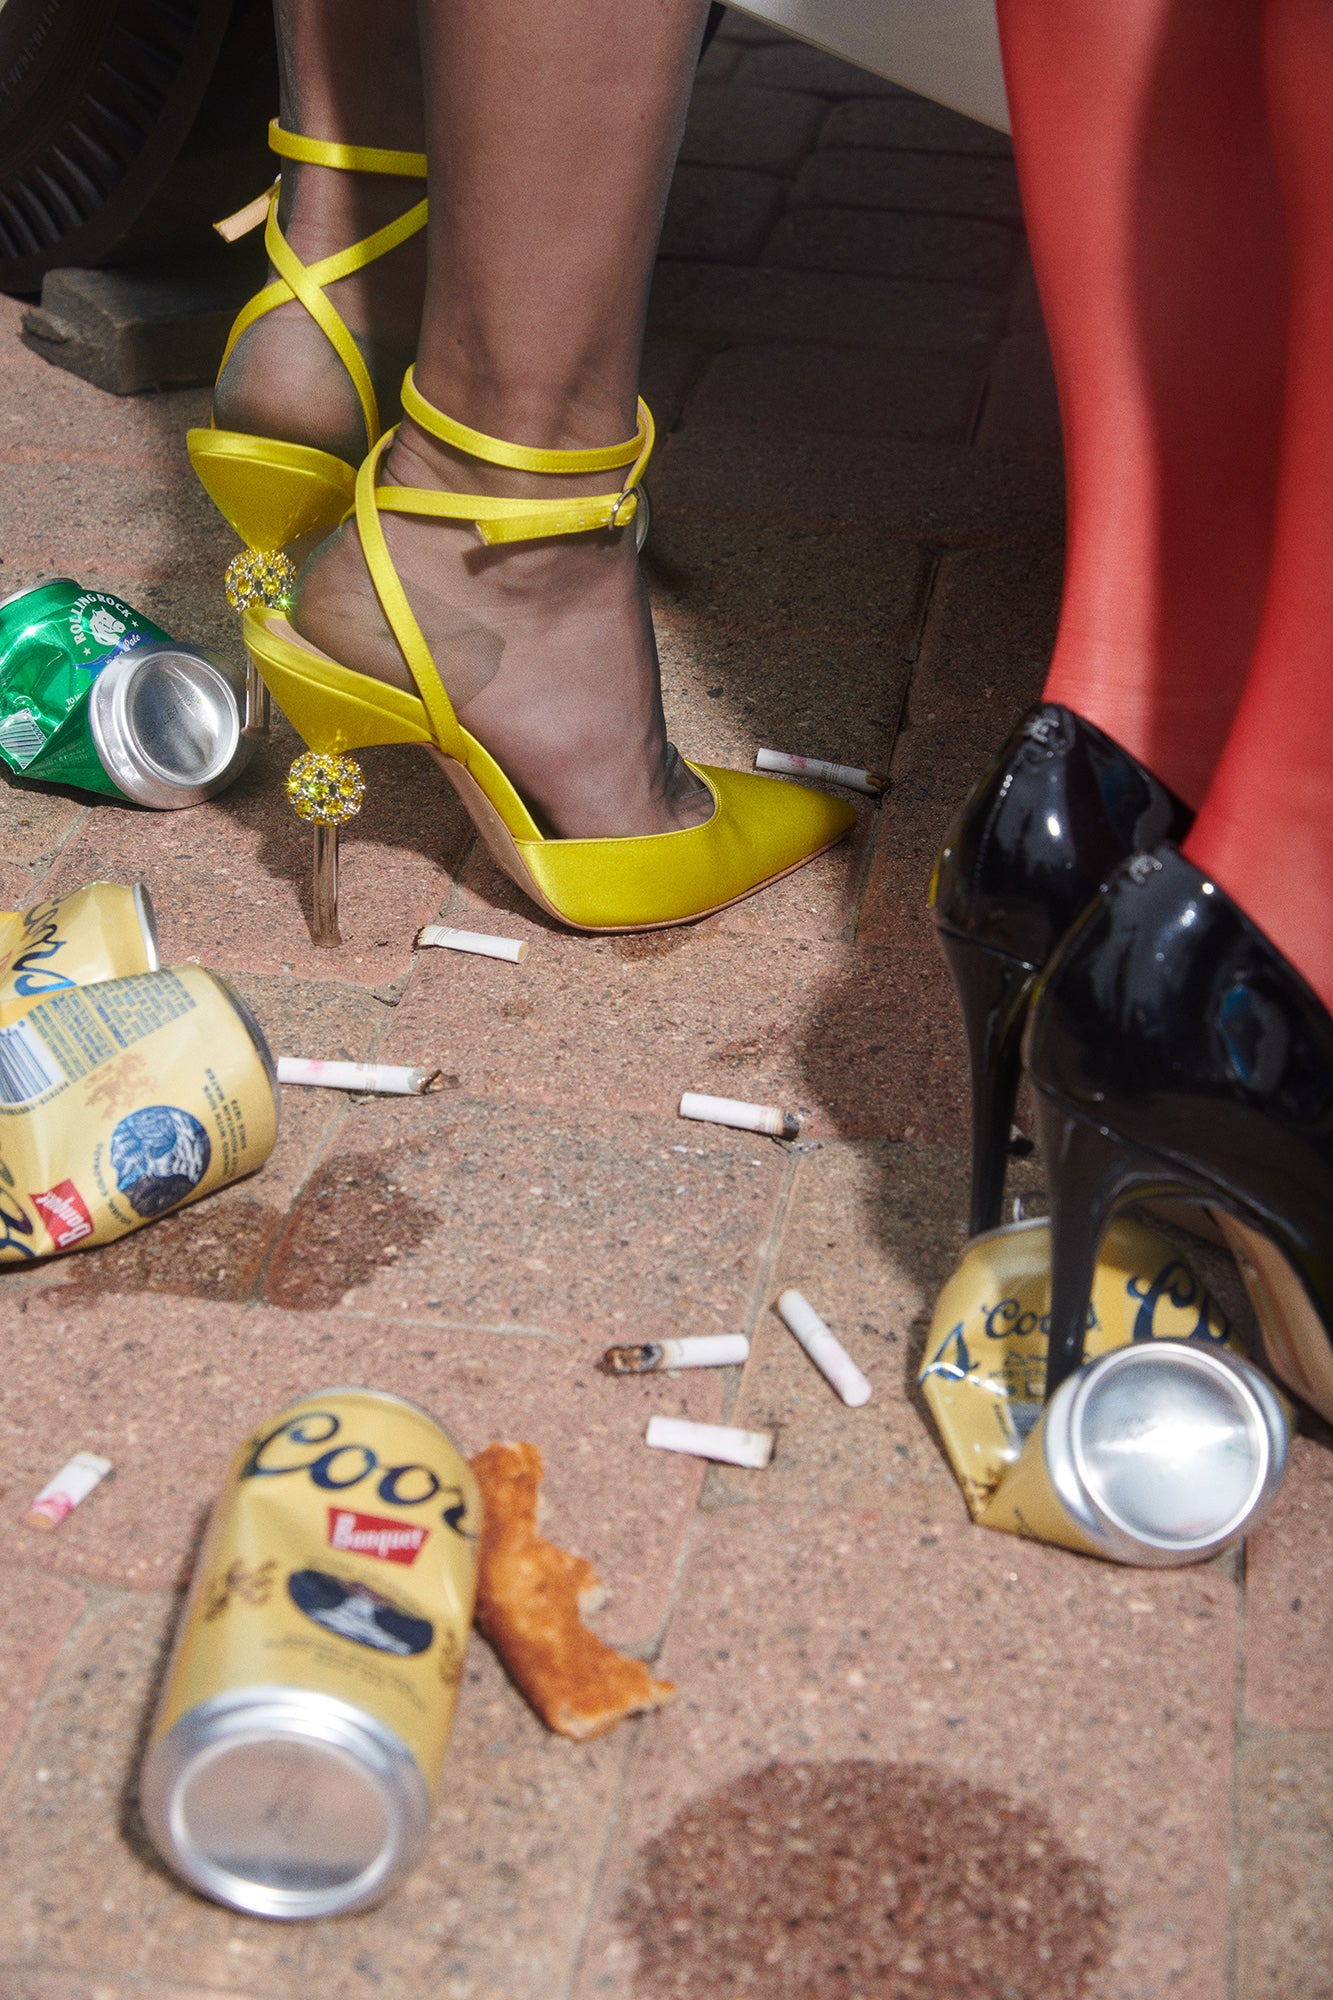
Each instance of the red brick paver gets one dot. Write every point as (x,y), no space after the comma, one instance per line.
(856,554)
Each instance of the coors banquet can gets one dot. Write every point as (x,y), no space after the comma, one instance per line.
(95,695)
(1161,1453)
(296,1752)
(123,1099)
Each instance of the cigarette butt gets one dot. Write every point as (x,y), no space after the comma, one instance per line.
(850,775)
(640,1359)
(716,1441)
(744,1117)
(706,1350)
(473,941)
(61,1495)
(829,1355)
(386,1079)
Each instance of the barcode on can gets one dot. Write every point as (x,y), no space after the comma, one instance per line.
(27,1067)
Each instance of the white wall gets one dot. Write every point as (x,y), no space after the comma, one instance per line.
(945,49)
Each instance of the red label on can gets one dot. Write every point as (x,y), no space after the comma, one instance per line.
(372,1535)
(65,1214)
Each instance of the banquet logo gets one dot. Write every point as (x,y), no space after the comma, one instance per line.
(65,1213)
(372,1535)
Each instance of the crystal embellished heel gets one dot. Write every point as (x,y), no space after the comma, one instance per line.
(759,829)
(270,490)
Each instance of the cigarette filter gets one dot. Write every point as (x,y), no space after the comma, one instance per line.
(717,1441)
(850,775)
(473,941)
(708,1350)
(827,1352)
(61,1495)
(387,1079)
(743,1117)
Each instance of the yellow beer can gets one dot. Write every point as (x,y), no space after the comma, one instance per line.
(103,931)
(297,1749)
(122,1100)
(1165,1447)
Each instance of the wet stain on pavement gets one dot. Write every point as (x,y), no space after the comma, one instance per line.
(210,1251)
(638,945)
(863,1881)
(352,1219)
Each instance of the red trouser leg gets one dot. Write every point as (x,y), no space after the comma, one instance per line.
(1266,829)
(1153,215)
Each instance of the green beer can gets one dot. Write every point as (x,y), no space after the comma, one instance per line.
(95,695)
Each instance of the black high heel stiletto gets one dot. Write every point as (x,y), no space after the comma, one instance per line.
(1060,807)
(1173,1050)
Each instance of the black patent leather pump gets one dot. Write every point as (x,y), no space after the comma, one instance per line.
(1173,1050)
(1059,808)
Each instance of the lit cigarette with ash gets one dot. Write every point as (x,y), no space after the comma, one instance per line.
(827,1352)
(477,942)
(721,1442)
(742,1117)
(384,1079)
(849,775)
(61,1495)
(706,1350)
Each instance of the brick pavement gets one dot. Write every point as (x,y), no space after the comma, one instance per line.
(856,554)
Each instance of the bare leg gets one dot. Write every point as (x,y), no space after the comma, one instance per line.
(1153,212)
(1266,828)
(551,133)
(349,70)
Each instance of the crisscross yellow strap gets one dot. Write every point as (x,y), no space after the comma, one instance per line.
(498,519)
(398,611)
(306,281)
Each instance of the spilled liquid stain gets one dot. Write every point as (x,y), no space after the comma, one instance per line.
(211,1250)
(352,1220)
(638,945)
(863,1881)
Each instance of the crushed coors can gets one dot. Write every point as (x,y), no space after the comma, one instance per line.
(1156,1455)
(105,930)
(124,1099)
(95,695)
(297,1748)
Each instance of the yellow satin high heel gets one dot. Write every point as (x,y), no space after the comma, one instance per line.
(760,828)
(272,491)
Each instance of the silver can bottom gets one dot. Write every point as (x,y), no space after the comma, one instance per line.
(286,1803)
(166,722)
(1165,1452)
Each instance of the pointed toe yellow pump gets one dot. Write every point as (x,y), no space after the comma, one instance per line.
(273,491)
(759,828)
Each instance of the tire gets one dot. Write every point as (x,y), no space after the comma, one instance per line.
(99,100)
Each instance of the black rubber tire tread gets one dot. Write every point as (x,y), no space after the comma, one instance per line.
(96,100)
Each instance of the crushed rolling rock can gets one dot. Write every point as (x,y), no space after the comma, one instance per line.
(93,694)
(297,1748)
(105,930)
(121,1100)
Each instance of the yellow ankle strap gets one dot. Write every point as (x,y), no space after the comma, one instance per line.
(508,520)
(496,520)
(333,153)
(306,282)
